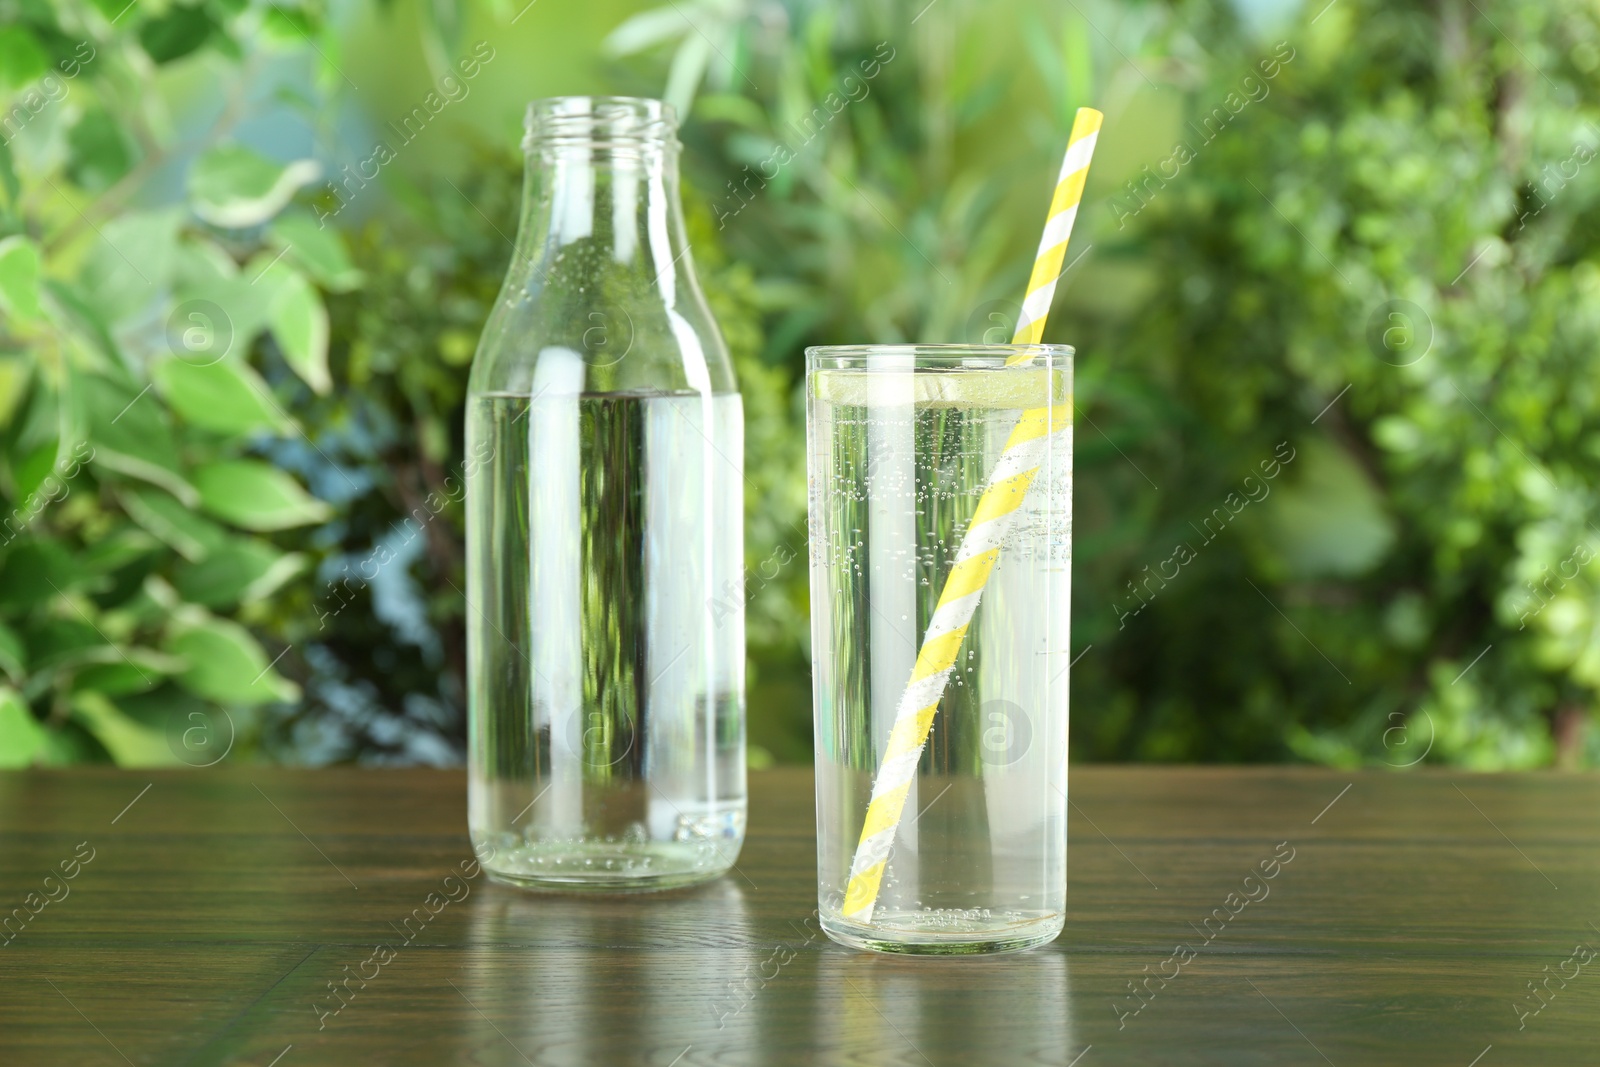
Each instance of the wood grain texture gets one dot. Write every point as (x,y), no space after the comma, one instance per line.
(220,909)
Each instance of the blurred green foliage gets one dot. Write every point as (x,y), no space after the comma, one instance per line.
(380,632)
(1389,263)
(150,350)
(1351,245)
(1335,312)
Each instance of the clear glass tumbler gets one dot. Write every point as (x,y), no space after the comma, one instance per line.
(941,579)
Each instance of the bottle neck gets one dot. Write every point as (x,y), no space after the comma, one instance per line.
(593,209)
(601,292)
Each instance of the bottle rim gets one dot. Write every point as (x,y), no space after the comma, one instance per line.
(584,120)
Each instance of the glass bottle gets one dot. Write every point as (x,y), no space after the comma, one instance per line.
(605,575)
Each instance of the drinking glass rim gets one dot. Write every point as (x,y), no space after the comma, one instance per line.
(935,354)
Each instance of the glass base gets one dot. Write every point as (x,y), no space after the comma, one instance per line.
(611,867)
(915,935)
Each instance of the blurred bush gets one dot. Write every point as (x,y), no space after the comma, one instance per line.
(1336,328)
(1335,310)
(380,632)
(152,350)
(1388,262)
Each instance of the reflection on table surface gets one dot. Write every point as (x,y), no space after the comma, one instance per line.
(227,919)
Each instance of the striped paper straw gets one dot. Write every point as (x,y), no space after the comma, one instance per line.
(980,546)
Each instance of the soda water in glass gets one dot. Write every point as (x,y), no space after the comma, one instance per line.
(604,528)
(902,440)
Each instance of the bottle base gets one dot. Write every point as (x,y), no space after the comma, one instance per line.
(611,867)
(899,936)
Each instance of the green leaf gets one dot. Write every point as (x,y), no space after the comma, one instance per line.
(80,320)
(13,657)
(37,571)
(15,377)
(257,496)
(227,397)
(30,469)
(288,23)
(118,670)
(77,649)
(442,24)
(214,297)
(110,668)
(19,278)
(320,251)
(177,33)
(21,736)
(227,665)
(36,421)
(235,187)
(689,65)
(67,641)
(115,678)
(69,744)
(192,536)
(198,260)
(130,264)
(299,323)
(199,732)
(245,570)
(285,567)
(99,151)
(130,434)
(21,58)
(643,31)
(8,177)
(130,743)
(112,551)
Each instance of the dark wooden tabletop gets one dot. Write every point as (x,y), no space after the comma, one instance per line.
(260,917)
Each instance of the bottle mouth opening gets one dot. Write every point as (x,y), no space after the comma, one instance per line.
(582,120)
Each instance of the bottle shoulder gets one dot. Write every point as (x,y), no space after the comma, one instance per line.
(618,339)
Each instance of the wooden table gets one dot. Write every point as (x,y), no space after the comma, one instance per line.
(212,914)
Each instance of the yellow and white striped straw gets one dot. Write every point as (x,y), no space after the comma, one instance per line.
(980,546)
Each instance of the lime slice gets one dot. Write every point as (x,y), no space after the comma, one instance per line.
(1000,388)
